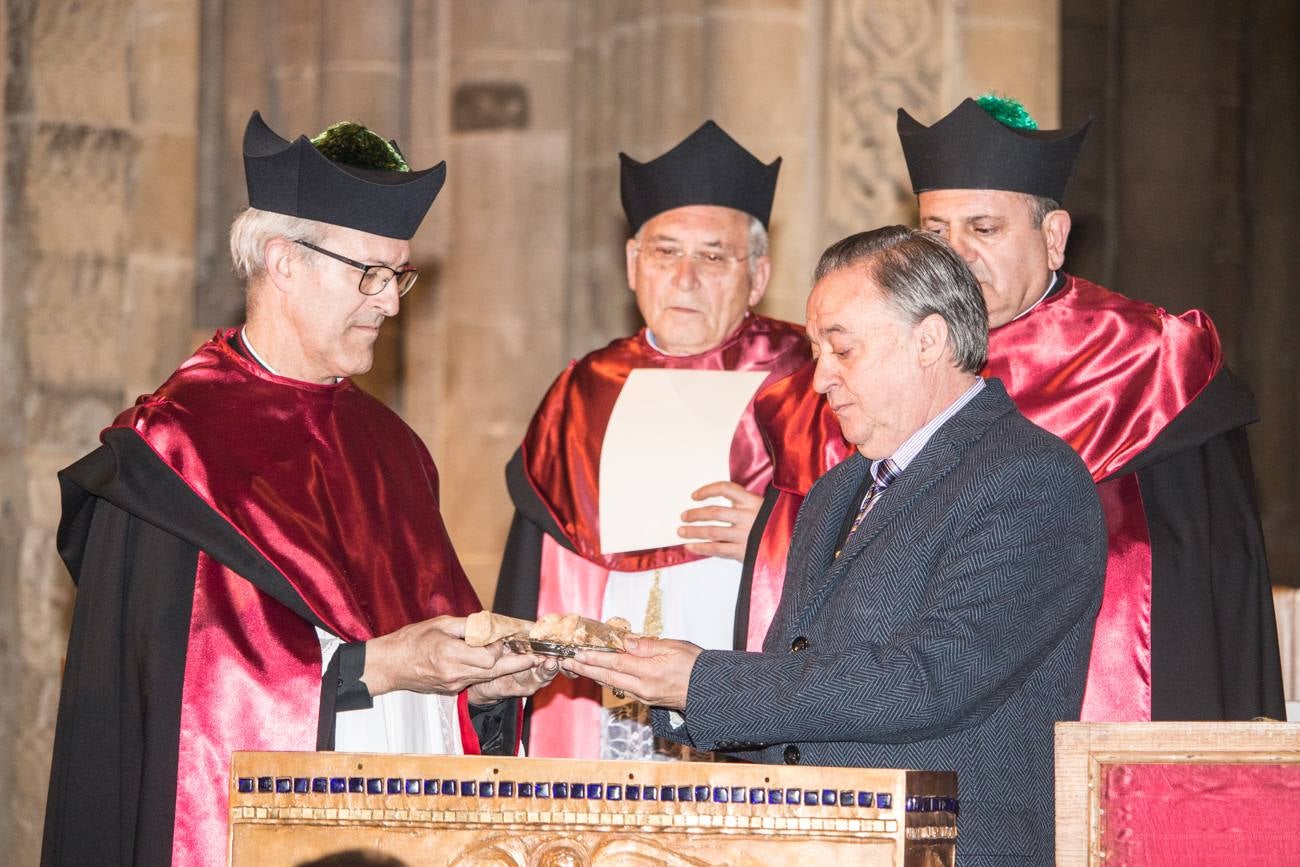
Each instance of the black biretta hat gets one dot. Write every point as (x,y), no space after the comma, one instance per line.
(708,167)
(295,178)
(969,150)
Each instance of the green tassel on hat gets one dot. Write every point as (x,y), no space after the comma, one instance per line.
(351,144)
(1007,111)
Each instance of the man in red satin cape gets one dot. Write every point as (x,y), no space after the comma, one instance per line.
(260,558)
(697,263)
(1186,629)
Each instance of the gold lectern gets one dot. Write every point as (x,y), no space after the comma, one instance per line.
(338,808)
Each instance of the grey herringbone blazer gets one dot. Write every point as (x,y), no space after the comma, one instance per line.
(951,633)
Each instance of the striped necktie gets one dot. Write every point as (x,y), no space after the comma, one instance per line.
(882,476)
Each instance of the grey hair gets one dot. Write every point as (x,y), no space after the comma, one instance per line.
(919,275)
(1039,208)
(254,228)
(757,244)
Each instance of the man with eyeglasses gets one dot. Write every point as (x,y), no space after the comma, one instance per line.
(697,263)
(258,547)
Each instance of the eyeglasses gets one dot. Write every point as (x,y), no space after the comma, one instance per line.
(712,262)
(374,278)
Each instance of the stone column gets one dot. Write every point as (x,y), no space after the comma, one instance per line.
(99,250)
(483,337)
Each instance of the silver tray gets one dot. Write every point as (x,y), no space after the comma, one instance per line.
(552,648)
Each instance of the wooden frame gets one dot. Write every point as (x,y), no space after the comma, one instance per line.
(1083,750)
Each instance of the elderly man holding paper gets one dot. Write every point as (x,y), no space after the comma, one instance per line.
(651,431)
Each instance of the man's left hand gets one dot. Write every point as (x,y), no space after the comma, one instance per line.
(516,684)
(730,538)
(654,671)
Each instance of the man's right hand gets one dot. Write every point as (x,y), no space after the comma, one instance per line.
(431,657)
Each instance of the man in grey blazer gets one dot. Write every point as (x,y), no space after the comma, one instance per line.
(942,584)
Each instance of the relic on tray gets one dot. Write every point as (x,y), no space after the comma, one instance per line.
(554,634)
(484,627)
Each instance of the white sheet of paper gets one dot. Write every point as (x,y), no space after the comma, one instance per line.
(670,433)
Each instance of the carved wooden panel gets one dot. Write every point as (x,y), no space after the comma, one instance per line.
(333,808)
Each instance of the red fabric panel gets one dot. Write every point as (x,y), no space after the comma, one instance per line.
(566,714)
(1161,815)
(768,577)
(1119,671)
(252,682)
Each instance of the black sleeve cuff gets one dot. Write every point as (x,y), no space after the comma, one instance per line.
(347,666)
(495,725)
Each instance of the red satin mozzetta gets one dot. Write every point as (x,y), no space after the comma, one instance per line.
(1103,372)
(1107,374)
(562,448)
(342,498)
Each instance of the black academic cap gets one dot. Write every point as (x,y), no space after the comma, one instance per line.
(707,168)
(969,150)
(295,178)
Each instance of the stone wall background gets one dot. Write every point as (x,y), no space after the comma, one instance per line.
(122,120)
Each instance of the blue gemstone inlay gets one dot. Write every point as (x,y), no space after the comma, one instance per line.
(449,787)
(543,790)
(301,785)
(685,793)
(634,792)
(525,790)
(431,787)
(595,791)
(412,787)
(794,796)
(614,792)
(265,784)
(506,789)
(487,790)
(846,798)
(775,796)
(577,790)
(757,796)
(666,793)
(396,785)
(245,785)
(865,799)
(738,794)
(338,785)
(374,786)
(559,790)
(810,798)
(952,805)
(320,785)
(721,794)
(283,785)
(830,797)
(884,800)
(909,803)
(702,793)
(468,788)
(357,785)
